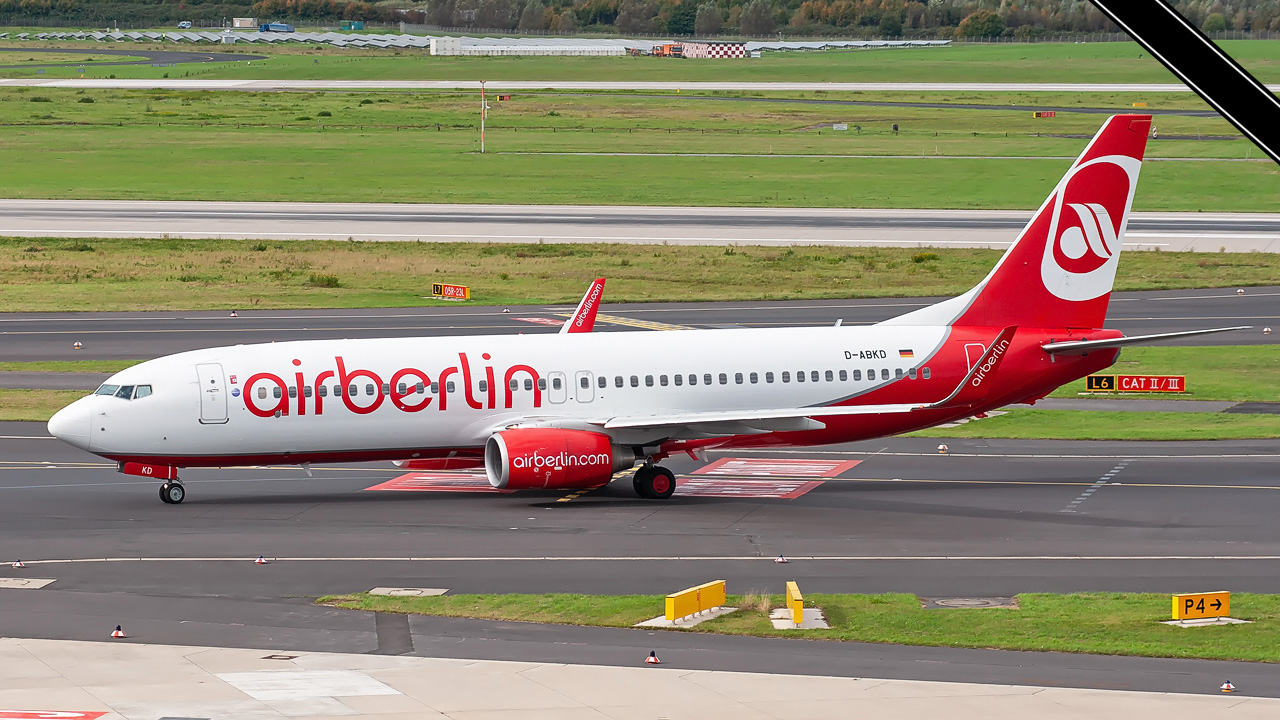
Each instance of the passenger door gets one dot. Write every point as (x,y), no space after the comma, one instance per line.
(213,394)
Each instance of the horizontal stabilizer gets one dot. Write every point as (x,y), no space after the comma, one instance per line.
(1073,347)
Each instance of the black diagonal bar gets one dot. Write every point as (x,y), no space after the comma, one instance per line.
(1203,66)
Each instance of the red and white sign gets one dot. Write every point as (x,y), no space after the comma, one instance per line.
(48,715)
(159,472)
(780,489)
(1151,383)
(542,321)
(440,482)
(776,467)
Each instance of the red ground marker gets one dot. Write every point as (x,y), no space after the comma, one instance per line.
(440,482)
(777,467)
(779,489)
(48,715)
(541,321)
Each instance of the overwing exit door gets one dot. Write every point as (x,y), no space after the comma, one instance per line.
(213,393)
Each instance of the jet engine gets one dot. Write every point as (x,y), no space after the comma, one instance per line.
(550,458)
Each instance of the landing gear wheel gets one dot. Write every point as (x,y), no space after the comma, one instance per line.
(173,493)
(654,482)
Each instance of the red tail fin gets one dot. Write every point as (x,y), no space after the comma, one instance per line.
(1060,270)
(584,318)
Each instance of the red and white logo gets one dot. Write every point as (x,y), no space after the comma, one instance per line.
(1090,211)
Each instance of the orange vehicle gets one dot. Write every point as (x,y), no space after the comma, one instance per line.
(668,50)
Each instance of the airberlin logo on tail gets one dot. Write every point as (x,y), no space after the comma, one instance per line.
(1090,209)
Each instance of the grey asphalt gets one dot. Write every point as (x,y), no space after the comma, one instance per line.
(152,56)
(1204,232)
(52,380)
(104,336)
(992,518)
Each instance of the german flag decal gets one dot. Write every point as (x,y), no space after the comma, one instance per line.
(906,354)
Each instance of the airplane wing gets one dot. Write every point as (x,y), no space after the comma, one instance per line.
(1076,347)
(584,318)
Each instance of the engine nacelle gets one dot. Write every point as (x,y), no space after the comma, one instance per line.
(549,458)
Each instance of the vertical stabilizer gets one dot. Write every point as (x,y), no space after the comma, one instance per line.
(1060,270)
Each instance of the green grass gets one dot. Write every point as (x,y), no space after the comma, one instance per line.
(1103,623)
(108,275)
(1094,425)
(21,57)
(1243,373)
(1042,62)
(34,405)
(385,147)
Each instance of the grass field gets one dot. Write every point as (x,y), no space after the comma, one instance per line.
(1102,623)
(40,58)
(68,275)
(34,405)
(1041,62)
(1244,373)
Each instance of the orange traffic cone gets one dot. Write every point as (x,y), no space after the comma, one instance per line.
(652,659)
(260,561)
(19,564)
(781,560)
(117,633)
(1228,687)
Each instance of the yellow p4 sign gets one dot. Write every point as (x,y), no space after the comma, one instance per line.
(1196,606)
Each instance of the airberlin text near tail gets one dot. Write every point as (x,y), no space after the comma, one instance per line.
(573,409)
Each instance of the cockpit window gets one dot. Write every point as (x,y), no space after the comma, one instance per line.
(141,391)
(107,390)
(125,391)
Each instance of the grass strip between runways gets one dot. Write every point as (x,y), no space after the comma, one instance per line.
(1102,623)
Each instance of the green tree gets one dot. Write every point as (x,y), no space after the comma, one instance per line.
(757,18)
(1215,22)
(708,20)
(983,23)
(534,16)
(891,25)
(682,18)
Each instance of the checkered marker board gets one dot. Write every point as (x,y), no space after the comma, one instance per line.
(777,467)
(725,487)
(439,482)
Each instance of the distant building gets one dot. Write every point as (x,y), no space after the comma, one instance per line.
(715,49)
(244,23)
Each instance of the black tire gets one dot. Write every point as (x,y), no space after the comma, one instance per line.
(164,494)
(656,484)
(642,479)
(175,493)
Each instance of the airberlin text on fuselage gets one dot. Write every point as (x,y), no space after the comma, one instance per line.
(408,401)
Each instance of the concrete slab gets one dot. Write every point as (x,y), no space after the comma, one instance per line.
(812,619)
(688,621)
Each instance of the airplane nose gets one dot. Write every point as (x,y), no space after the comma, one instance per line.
(71,425)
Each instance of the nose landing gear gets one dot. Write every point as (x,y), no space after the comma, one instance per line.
(173,492)
(654,482)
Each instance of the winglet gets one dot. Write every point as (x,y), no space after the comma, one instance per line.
(970,389)
(584,318)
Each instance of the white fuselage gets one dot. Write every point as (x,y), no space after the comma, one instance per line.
(296,398)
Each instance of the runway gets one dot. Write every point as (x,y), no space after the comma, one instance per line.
(994,518)
(114,336)
(668,86)
(1202,232)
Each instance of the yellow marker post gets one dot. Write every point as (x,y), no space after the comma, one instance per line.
(1139,104)
(695,600)
(1198,606)
(795,602)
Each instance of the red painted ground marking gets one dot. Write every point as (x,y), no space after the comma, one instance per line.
(725,487)
(541,321)
(439,482)
(777,467)
(48,715)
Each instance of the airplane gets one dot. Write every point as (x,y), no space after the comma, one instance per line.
(569,410)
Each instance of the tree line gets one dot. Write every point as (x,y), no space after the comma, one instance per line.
(866,18)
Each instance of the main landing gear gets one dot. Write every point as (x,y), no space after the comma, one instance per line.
(654,482)
(173,492)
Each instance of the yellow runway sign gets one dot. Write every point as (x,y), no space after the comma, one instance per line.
(1197,606)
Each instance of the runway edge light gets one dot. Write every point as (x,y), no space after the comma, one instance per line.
(653,658)
(1227,687)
